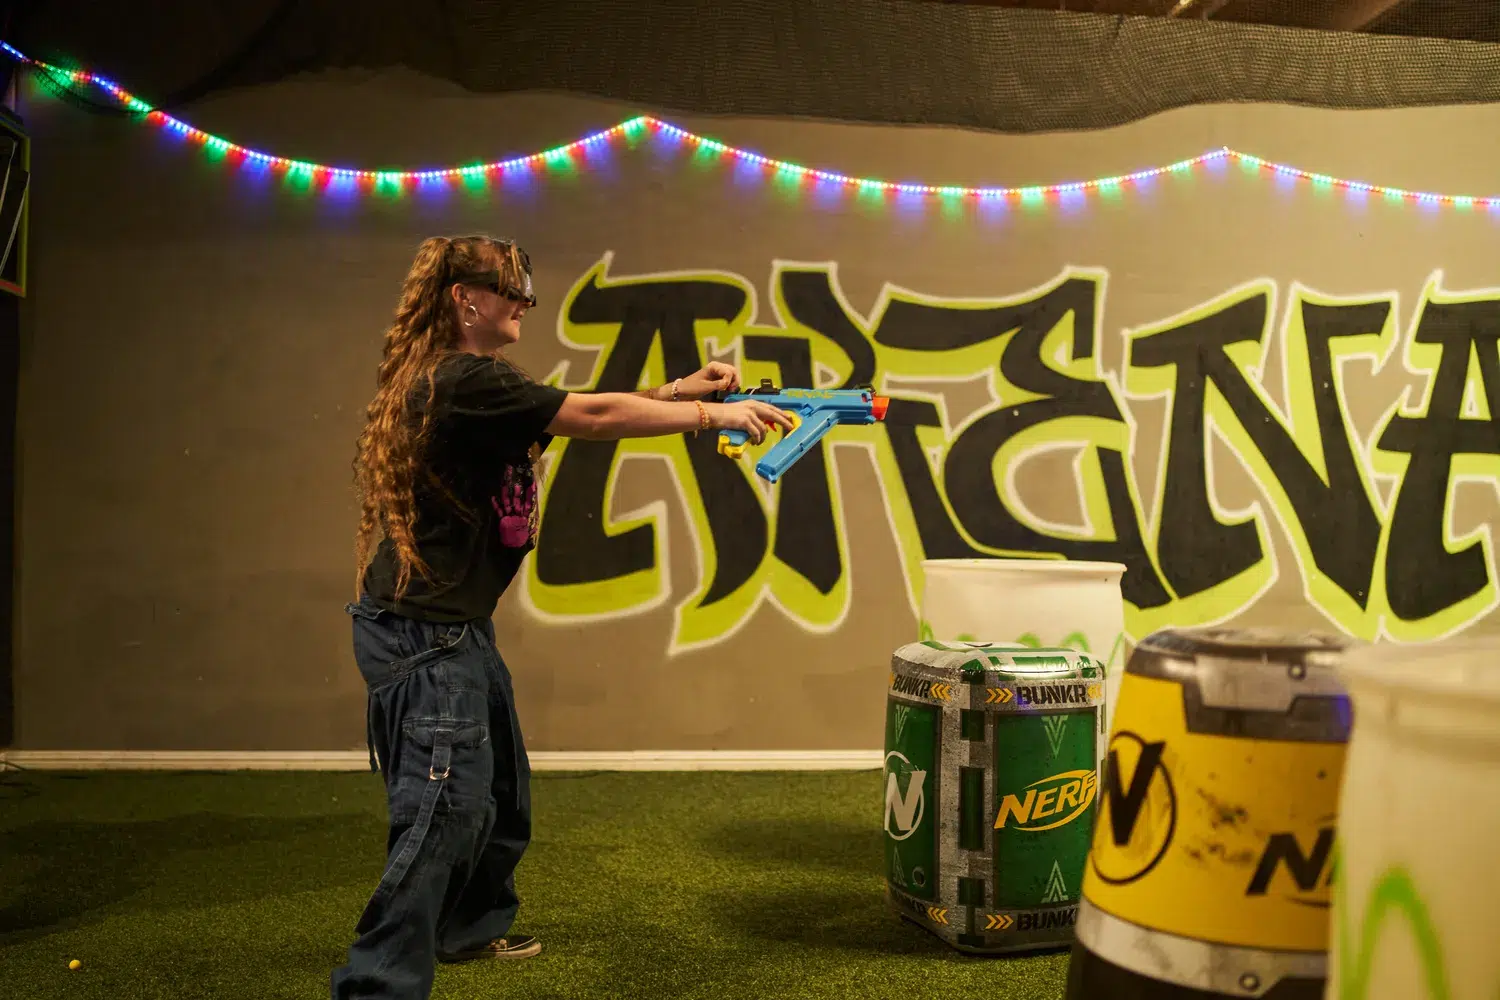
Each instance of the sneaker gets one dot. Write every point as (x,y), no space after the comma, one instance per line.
(514,946)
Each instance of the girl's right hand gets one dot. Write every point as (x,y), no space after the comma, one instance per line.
(748,415)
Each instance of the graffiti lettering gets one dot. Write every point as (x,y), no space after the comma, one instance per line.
(1304,462)
(1441,444)
(953,482)
(1049,403)
(583,568)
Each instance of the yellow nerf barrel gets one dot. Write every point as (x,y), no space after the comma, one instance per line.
(1209,870)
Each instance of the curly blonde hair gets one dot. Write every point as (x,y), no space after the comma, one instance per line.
(422,334)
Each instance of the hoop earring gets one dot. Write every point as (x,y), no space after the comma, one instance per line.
(470,322)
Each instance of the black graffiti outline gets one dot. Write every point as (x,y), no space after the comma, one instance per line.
(940,528)
(1446,320)
(993,528)
(1330,514)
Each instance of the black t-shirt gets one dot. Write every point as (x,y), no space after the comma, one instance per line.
(486,416)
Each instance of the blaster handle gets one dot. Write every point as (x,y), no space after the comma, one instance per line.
(804,435)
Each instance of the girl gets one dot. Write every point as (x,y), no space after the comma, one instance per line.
(446,474)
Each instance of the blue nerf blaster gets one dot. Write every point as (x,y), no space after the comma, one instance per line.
(814,412)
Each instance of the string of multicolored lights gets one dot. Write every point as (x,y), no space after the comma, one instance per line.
(633,126)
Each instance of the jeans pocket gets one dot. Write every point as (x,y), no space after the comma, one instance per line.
(445,736)
(440,770)
(455,752)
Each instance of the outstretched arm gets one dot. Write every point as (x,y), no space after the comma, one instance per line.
(711,378)
(609,416)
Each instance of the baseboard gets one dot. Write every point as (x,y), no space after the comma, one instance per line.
(359,760)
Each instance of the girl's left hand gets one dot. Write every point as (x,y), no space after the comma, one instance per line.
(711,378)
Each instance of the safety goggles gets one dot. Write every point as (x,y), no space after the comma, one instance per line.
(494,278)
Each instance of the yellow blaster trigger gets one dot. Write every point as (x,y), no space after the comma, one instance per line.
(732,450)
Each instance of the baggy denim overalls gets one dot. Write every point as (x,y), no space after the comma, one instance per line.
(443,731)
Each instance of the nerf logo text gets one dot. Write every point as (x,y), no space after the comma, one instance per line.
(1049,803)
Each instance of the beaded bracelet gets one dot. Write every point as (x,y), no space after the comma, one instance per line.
(676,384)
(702,418)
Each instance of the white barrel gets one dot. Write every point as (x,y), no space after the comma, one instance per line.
(1035,602)
(1416,898)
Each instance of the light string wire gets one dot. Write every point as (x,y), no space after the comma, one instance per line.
(633,126)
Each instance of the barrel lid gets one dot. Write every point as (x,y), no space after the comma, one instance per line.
(1001,677)
(1464,668)
(1255,642)
(1285,679)
(968,657)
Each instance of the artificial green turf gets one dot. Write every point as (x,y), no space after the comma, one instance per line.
(247,885)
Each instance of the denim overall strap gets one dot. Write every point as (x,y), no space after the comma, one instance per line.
(437,775)
(370,730)
(355,609)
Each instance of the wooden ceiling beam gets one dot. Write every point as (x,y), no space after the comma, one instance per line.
(1360,14)
(1332,15)
(1327,15)
(1202,9)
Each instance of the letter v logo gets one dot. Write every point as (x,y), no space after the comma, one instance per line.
(1125,806)
(1142,811)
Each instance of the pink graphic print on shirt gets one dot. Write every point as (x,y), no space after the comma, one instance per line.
(516,506)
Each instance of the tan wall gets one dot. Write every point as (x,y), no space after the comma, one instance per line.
(202,342)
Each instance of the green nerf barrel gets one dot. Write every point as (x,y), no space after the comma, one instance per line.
(991,774)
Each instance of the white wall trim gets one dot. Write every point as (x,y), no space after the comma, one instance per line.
(359,760)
